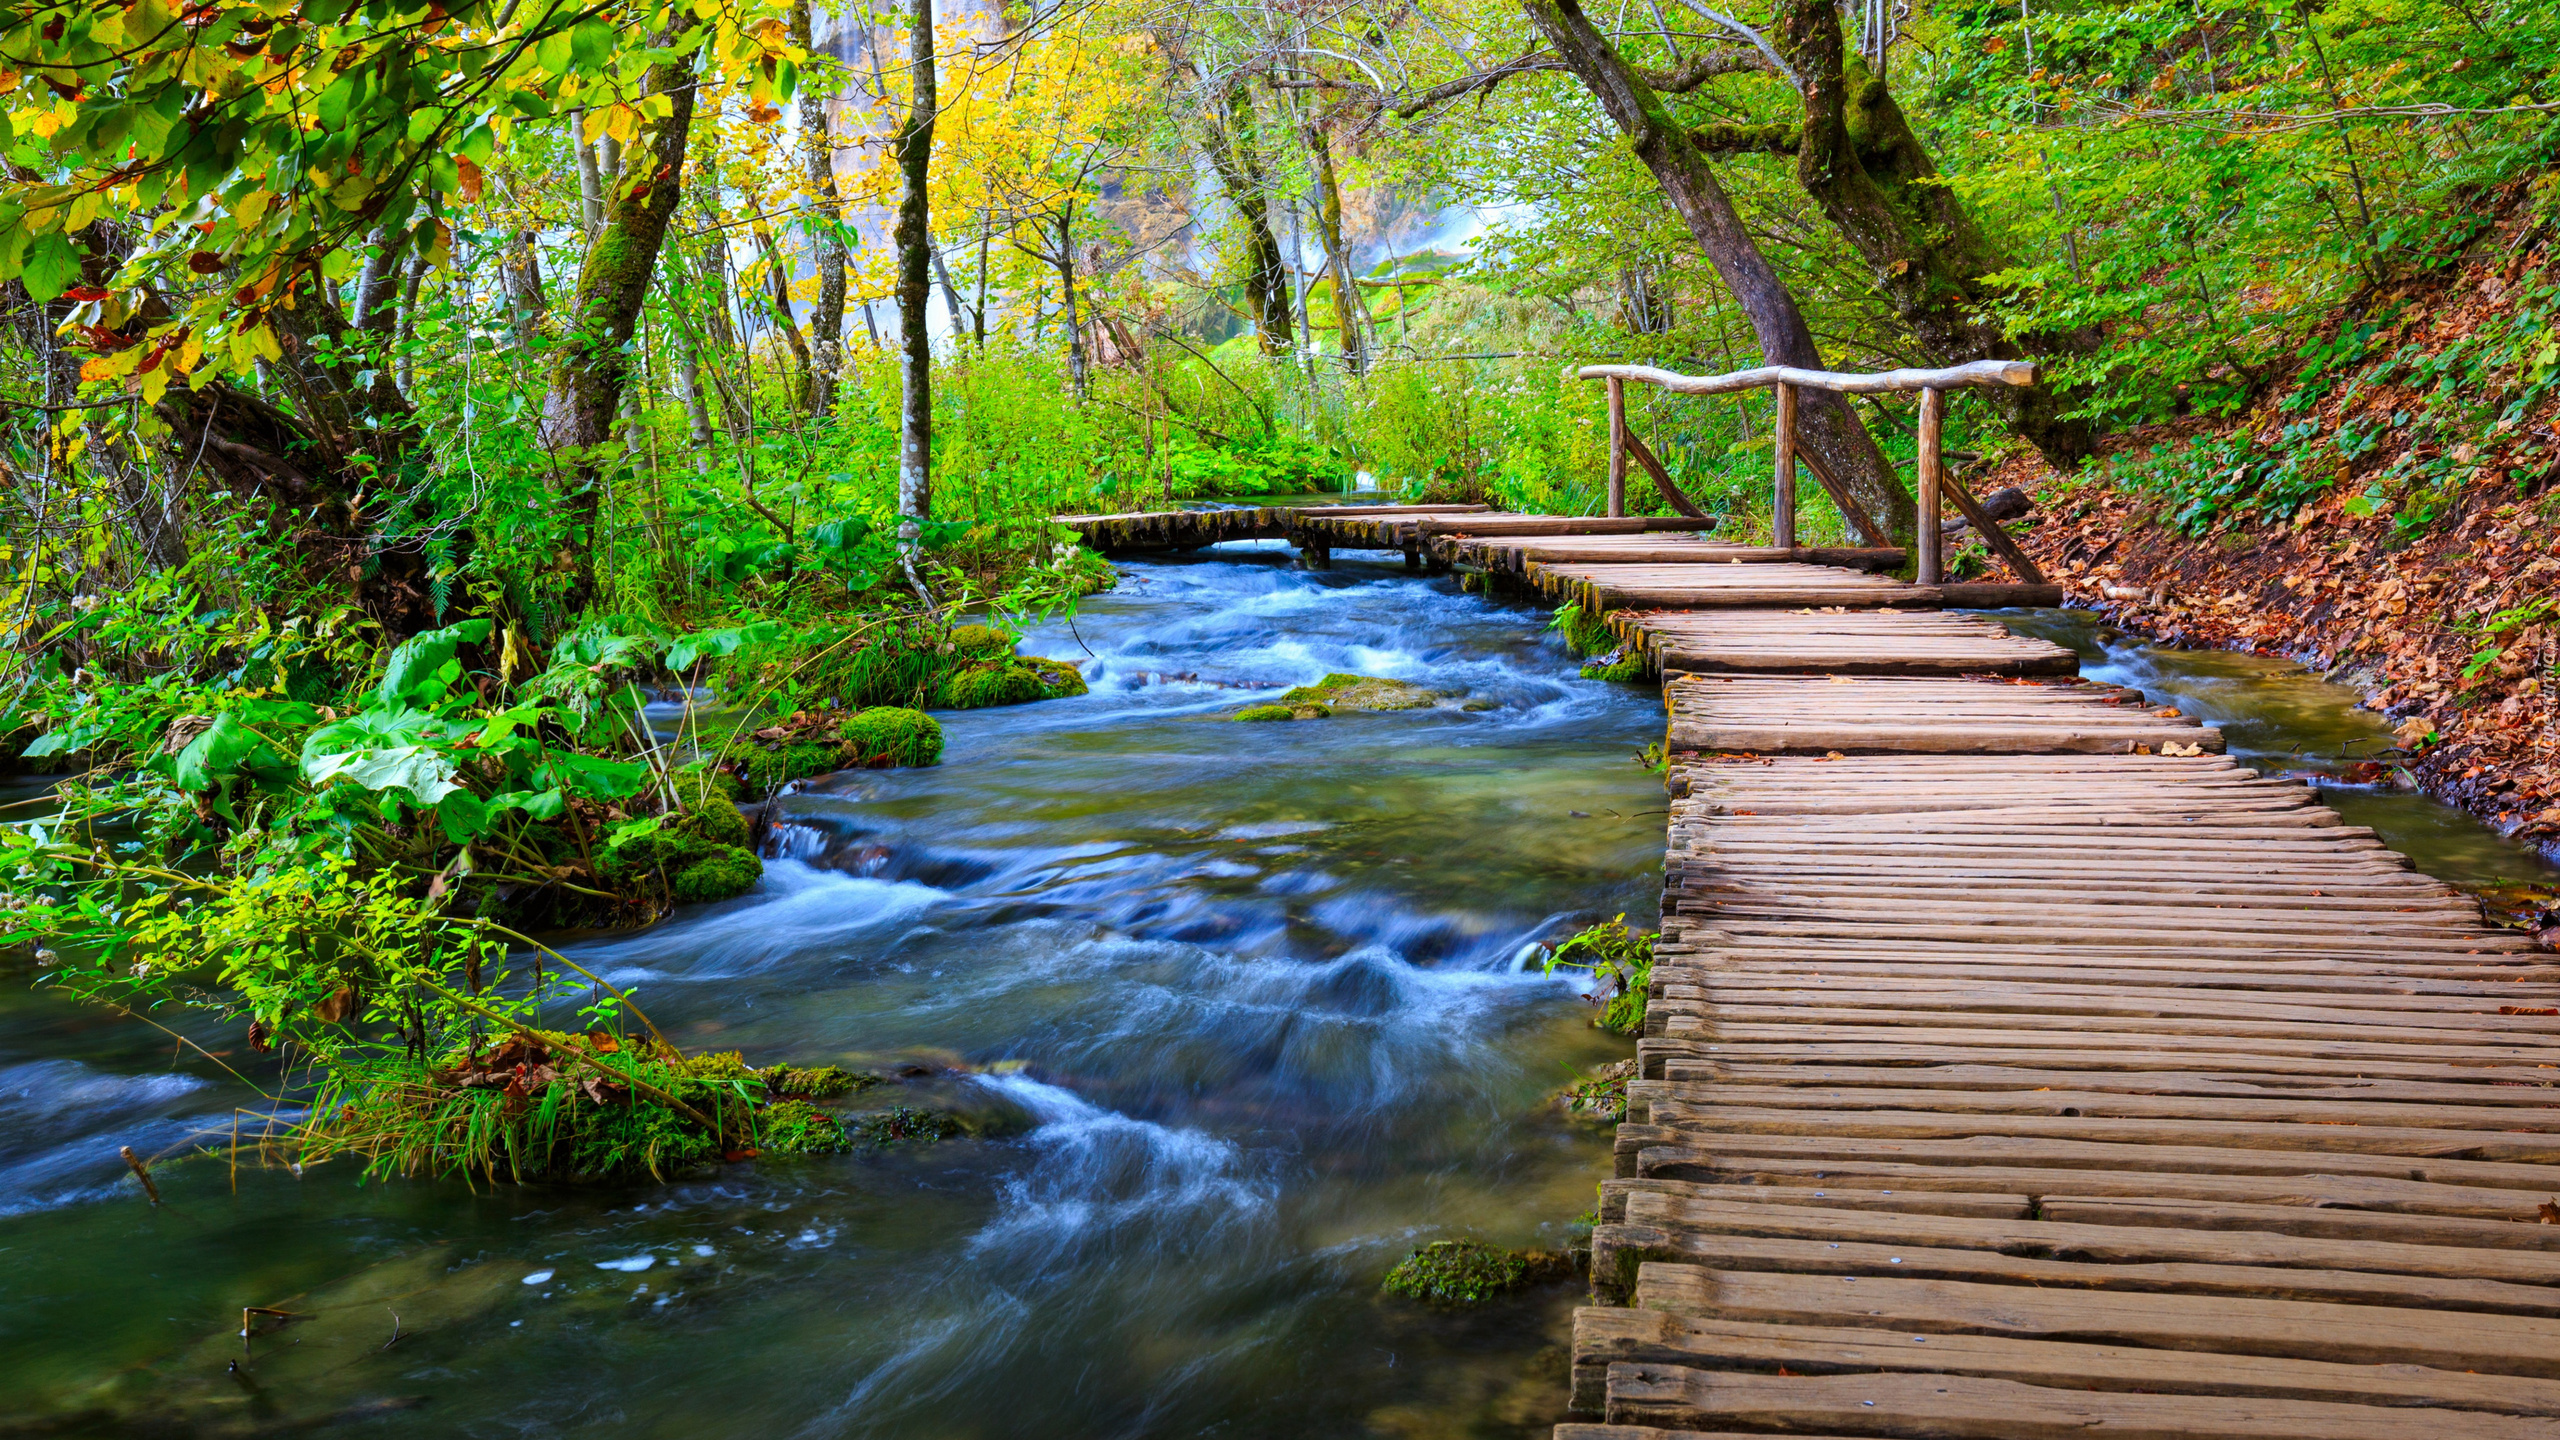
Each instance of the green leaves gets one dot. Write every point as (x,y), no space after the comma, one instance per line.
(424,669)
(227,751)
(52,263)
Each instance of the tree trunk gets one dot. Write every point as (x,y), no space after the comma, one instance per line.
(587,381)
(1860,161)
(1229,142)
(520,269)
(590,183)
(826,317)
(1825,424)
(1079,368)
(1347,313)
(912,146)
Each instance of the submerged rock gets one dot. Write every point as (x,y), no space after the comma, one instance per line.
(1336,693)
(1469,1272)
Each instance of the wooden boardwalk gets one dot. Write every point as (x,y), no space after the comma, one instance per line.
(2017,1066)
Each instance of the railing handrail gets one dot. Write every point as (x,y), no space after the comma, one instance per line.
(1972,373)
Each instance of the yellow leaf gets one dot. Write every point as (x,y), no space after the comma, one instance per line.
(251,206)
(154,383)
(189,354)
(263,341)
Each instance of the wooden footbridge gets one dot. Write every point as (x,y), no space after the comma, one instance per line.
(2017,1066)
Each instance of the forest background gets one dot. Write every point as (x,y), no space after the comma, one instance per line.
(396,392)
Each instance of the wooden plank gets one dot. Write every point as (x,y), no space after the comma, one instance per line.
(2527,1278)
(2220,1324)
(1951,1407)
(1653,1338)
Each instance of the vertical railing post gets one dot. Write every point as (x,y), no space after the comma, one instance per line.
(1617,446)
(1933,417)
(1782,504)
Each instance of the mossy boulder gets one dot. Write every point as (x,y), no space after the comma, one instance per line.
(1256,713)
(1009,680)
(889,735)
(1462,1272)
(1361,692)
(698,853)
(982,641)
(726,872)
(697,781)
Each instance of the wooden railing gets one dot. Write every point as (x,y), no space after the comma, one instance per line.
(1934,480)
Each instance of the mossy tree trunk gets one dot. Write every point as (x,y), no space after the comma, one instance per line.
(1824,423)
(593,368)
(1347,313)
(1858,158)
(912,147)
(1227,134)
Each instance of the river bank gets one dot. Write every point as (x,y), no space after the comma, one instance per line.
(2403,622)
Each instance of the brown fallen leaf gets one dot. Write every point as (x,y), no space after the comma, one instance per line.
(2550,1212)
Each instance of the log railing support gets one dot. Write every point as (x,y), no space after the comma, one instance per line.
(1934,482)
(1617,447)
(1933,420)
(1782,500)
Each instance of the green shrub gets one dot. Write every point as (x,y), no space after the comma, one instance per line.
(893,735)
(1622,959)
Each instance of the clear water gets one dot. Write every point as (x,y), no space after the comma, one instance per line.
(2282,718)
(1242,1002)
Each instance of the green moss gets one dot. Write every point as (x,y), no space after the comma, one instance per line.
(796,1127)
(1617,665)
(717,1065)
(1456,1272)
(1266,712)
(981,641)
(1360,692)
(770,770)
(716,822)
(901,1124)
(815,1084)
(1587,631)
(694,782)
(1011,680)
(888,734)
(727,871)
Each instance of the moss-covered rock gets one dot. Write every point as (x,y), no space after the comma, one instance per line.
(796,1127)
(888,735)
(724,872)
(982,641)
(816,1082)
(1010,680)
(905,1124)
(1457,1272)
(1361,692)
(697,781)
(1267,712)
(773,767)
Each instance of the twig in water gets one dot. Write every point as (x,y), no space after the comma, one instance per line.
(141,1172)
(395,1329)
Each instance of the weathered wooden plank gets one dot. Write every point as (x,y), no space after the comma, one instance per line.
(2219,1324)
(1951,1407)
(1607,1336)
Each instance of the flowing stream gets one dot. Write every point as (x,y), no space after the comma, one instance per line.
(1241,1009)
